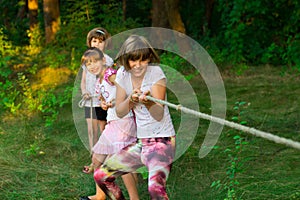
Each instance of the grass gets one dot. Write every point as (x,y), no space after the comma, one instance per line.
(55,155)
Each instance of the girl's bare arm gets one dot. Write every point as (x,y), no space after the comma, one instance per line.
(158,91)
(123,103)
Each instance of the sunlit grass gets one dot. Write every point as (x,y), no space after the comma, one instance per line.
(51,77)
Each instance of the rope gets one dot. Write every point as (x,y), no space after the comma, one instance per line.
(83,100)
(240,127)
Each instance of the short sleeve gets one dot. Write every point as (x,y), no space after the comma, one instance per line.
(158,74)
(108,60)
(155,74)
(123,79)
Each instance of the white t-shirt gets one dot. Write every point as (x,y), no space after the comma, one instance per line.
(109,93)
(108,60)
(147,126)
(91,80)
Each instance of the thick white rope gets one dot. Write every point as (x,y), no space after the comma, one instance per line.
(240,127)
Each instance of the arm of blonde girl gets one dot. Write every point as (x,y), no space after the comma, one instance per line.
(84,93)
(158,91)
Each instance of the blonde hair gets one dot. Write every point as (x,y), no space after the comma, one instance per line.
(91,55)
(98,33)
(134,48)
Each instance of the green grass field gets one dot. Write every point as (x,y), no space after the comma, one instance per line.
(45,163)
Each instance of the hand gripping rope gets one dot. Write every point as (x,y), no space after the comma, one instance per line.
(240,127)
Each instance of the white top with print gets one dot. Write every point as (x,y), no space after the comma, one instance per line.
(109,93)
(147,126)
(91,80)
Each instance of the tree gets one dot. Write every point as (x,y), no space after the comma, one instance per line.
(209,5)
(33,13)
(51,18)
(159,14)
(124,8)
(166,14)
(174,17)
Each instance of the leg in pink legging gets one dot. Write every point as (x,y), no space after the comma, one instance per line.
(156,153)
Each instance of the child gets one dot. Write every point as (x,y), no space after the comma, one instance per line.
(119,132)
(155,132)
(95,38)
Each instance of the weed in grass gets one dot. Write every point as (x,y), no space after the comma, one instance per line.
(235,159)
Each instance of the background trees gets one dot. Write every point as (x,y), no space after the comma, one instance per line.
(49,34)
(256,32)
(51,18)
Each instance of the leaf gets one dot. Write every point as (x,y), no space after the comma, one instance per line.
(235,118)
(213,184)
(243,122)
(242,103)
(236,137)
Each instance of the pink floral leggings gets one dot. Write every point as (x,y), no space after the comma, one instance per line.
(156,154)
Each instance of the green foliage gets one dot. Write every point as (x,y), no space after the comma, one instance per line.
(52,102)
(292,55)
(19,97)
(21,66)
(235,157)
(179,64)
(36,39)
(111,16)
(241,33)
(13,18)
(140,11)
(6,84)
(144,172)
(249,34)
(33,150)
(189,15)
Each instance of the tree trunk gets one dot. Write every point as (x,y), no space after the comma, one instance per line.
(124,9)
(209,6)
(174,17)
(159,19)
(33,13)
(159,14)
(176,23)
(51,18)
